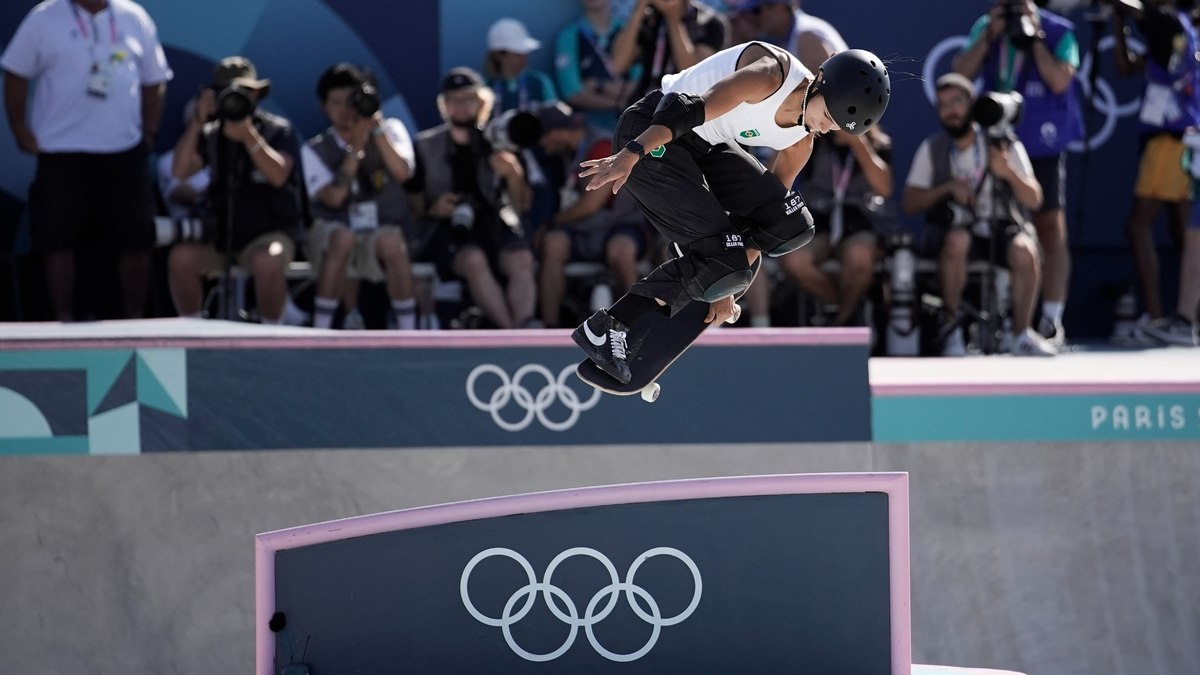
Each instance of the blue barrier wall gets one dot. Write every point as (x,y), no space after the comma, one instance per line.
(812,582)
(457,389)
(410,44)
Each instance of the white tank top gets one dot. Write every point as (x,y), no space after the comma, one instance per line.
(748,123)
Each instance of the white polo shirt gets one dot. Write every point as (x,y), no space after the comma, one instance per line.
(57,45)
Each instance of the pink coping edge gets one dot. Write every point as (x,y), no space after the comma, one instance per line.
(895,485)
(442,339)
(1028,388)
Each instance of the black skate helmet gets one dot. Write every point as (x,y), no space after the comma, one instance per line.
(856,89)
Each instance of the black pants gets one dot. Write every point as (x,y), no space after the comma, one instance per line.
(688,195)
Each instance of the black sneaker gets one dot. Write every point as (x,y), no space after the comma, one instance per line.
(603,338)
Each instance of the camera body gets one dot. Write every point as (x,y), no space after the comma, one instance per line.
(950,214)
(365,100)
(462,218)
(1018,25)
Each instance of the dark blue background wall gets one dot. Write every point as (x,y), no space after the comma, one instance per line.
(409,44)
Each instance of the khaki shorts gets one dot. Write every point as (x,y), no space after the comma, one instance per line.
(364,260)
(1160,174)
(287,251)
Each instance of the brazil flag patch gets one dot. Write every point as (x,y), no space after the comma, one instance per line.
(749,133)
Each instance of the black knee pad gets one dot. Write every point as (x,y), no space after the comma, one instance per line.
(779,226)
(716,267)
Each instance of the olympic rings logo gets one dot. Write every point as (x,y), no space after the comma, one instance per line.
(593,613)
(535,405)
(1104,99)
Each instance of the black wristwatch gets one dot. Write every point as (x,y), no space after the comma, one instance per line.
(636,148)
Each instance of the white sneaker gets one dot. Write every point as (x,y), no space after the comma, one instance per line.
(1141,336)
(353,321)
(954,345)
(294,316)
(1029,343)
(1174,330)
(1053,332)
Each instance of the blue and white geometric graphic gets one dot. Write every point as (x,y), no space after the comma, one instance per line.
(91,401)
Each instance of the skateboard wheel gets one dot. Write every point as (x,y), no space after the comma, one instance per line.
(737,314)
(650,393)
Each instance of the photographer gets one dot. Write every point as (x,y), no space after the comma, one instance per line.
(1170,107)
(666,36)
(953,179)
(1021,47)
(593,226)
(847,182)
(252,155)
(355,172)
(474,197)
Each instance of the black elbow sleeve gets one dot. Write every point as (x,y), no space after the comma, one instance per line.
(679,112)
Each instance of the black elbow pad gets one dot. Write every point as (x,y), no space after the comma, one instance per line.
(679,112)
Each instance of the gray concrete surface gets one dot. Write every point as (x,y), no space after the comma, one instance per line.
(1059,559)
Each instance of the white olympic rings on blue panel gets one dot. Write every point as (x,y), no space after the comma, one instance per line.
(535,405)
(593,614)
(1105,98)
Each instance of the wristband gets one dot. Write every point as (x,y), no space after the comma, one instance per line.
(636,148)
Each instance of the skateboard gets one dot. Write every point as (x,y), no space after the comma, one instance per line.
(662,340)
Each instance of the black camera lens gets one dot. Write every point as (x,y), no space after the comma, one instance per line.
(234,104)
(1019,26)
(365,101)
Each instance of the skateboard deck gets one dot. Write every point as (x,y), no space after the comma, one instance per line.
(657,340)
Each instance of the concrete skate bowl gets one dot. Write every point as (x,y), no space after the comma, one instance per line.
(1067,558)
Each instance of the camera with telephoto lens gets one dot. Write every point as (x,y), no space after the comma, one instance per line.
(1018,24)
(513,131)
(999,114)
(950,214)
(365,100)
(168,230)
(462,218)
(235,103)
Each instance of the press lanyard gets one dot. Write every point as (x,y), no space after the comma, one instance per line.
(1011,62)
(659,64)
(841,181)
(522,90)
(841,176)
(589,34)
(95,34)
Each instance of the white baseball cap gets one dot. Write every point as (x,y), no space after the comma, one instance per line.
(509,35)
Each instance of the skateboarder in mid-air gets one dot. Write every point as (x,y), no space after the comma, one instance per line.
(680,159)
